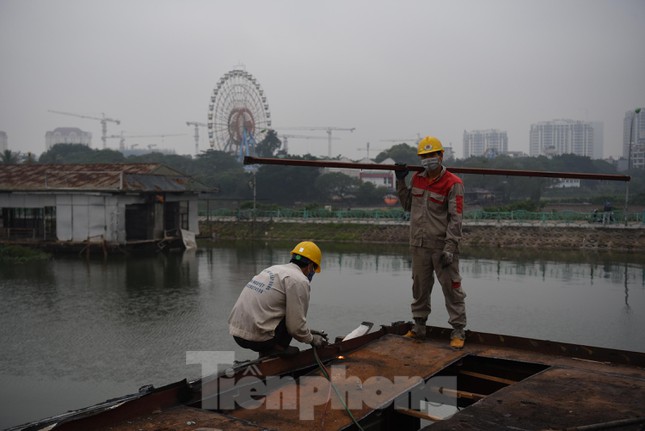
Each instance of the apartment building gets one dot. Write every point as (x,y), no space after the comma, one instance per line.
(634,139)
(491,142)
(556,137)
(67,135)
(4,141)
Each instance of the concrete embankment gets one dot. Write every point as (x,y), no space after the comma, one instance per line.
(586,236)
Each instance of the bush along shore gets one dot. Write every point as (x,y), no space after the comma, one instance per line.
(16,254)
(572,237)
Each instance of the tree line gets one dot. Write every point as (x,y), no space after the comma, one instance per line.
(310,187)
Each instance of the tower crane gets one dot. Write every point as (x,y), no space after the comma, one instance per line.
(103,121)
(287,137)
(367,148)
(122,137)
(402,140)
(329,131)
(197,126)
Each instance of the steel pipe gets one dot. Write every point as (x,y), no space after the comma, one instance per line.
(248,160)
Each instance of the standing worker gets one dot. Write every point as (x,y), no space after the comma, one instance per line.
(272,307)
(435,200)
(607,213)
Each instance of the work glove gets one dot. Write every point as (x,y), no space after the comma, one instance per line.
(446,258)
(319,341)
(321,333)
(401,174)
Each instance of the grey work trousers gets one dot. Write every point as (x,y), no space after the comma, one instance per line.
(425,264)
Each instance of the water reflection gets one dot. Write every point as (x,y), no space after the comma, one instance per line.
(617,272)
(76,332)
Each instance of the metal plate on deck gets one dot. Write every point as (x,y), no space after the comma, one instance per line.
(182,418)
(367,378)
(557,398)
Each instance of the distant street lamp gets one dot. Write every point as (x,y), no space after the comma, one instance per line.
(629,158)
(631,138)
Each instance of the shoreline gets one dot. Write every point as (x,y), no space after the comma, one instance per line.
(502,234)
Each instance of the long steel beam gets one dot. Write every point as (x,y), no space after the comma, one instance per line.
(248,160)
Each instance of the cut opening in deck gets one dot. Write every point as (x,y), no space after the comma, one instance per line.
(459,385)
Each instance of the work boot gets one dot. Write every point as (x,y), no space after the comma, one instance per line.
(418,331)
(457,343)
(457,338)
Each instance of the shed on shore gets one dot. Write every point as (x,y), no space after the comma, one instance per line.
(111,203)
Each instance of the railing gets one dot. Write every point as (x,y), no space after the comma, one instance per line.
(398,215)
(609,218)
(18,233)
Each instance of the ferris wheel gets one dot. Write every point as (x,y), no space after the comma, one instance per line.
(238,115)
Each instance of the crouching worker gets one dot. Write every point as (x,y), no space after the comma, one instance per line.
(272,307)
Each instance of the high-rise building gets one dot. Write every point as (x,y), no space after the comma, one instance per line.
(448,152)
(4,141)
(491,142)
(67,135)
(598,139)
(552,138)
(634,134)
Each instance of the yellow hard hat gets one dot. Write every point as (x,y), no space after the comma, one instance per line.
(309,250)
(429,144)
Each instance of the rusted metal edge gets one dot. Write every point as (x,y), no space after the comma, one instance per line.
(183,392)
(248,160)
(116,410)
(547,347)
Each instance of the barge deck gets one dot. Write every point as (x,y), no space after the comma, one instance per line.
(387,381)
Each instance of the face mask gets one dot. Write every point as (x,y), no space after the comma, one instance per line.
(311,275)
(431,163)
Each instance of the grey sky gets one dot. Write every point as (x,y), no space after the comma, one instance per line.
(391,69)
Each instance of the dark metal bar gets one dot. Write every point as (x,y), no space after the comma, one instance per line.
(474,171)
(579,351)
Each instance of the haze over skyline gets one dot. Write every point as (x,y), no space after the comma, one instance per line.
(392,70)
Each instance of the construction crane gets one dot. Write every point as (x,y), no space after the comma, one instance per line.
(403,140)
(197,126)
(103,121)
(367,147)
(285,139)
(122,137)
(329,131)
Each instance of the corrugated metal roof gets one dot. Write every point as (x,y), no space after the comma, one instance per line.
(137,177)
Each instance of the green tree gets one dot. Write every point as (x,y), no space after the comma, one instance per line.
(401,153)
(182,164)
(269,145)
(287,185)
(336,185)
(220,169)
(9,157)
(79,153)
(66,153)
(105,156)
(369,194)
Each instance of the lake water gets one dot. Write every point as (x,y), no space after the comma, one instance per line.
(75,332)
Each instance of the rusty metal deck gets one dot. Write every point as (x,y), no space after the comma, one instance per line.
(375,375)
(569,392)
(500,383)
(558,398)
